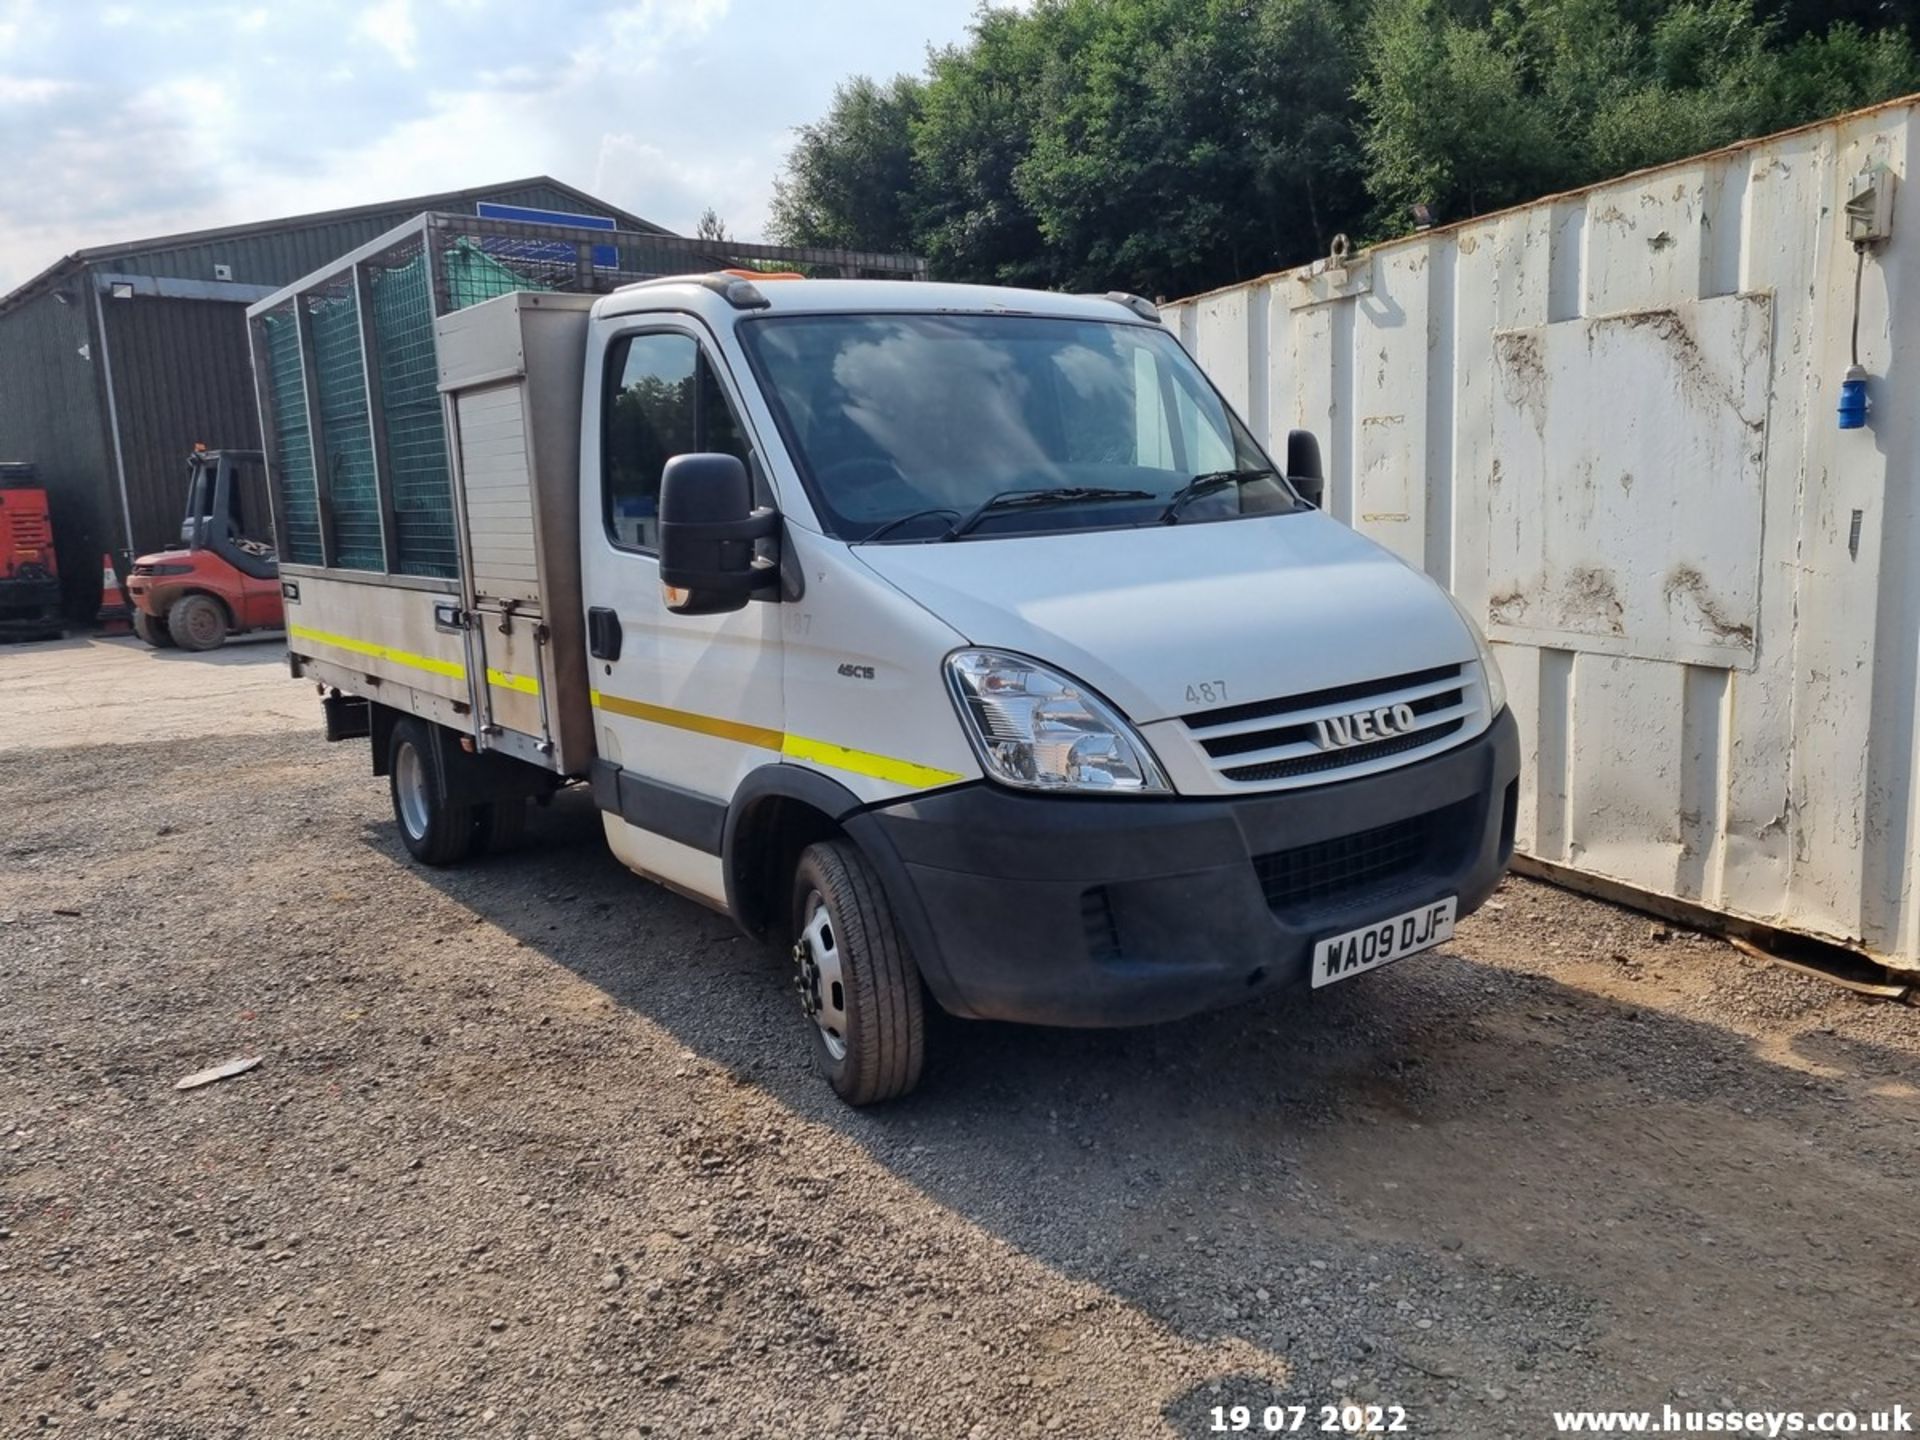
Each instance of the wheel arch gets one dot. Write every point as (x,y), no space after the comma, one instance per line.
(776,813)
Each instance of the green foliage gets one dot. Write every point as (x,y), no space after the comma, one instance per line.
(1451,123)
(1233,124)
(980,108)
(850,179)
(1467,113)
(1166,146)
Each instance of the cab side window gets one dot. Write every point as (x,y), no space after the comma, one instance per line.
(663,399)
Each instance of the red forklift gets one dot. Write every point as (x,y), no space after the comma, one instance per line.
(220,582)
(29,574)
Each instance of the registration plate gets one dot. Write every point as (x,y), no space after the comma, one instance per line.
(1383,942)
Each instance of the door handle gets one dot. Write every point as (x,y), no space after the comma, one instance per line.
(603,633)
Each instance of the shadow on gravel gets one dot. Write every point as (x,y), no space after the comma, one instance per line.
(266,647)
(1443,1177)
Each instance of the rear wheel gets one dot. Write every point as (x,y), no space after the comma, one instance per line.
(436,829)
(197,622)
(857,983)
(152,630)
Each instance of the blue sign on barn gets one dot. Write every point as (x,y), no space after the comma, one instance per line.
(605,257)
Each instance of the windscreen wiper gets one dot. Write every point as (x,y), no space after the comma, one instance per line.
(1206,484)
(1022,499)
(894,524)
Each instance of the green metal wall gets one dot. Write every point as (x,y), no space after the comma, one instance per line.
(50,414)
(180,378)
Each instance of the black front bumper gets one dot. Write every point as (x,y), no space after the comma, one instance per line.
(1060,911)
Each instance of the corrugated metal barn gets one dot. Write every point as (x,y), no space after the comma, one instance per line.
(116,360)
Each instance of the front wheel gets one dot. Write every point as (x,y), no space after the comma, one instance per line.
(197,622)
(153,631)
(436,829)
(858,985)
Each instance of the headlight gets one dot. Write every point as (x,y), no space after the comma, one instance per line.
(1040,730)
(1490,667)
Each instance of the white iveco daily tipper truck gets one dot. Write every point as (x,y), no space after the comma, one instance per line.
(961,640)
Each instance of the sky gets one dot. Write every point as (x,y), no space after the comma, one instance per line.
(128,120)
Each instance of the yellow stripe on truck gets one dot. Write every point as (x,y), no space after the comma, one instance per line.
(504,680)
(686,720)
(861,762)
(450,668)
(794,747)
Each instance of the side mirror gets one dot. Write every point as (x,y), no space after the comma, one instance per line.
(1303,467)
(708,528)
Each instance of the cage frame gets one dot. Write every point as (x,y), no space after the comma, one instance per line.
(432,231)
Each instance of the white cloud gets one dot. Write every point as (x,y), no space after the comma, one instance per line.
(18,90)
(467,138)
(197,113)
(677,185)
(14,15)
(389,25)
(640,31)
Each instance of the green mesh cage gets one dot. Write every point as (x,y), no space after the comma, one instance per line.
(472,275)
(346,429)
(416,429)
(292,441)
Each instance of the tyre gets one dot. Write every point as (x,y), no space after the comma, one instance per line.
(197,622)
(499,825)
(858,985)
(436,828)
(153,631)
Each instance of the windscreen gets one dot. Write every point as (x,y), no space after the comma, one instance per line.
(904,424)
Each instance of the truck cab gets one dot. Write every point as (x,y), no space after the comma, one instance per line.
(968,633)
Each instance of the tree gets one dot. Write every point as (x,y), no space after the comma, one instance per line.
(1452,123)
(711,226)
(981,104)
(1167,146)
(850,178)
(1468,111)
(1179,142)
(1844,69)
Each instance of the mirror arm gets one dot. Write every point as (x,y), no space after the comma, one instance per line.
(760,525)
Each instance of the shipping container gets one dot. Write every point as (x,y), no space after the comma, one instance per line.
(1608,422)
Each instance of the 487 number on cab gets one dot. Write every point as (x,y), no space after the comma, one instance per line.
(1333,1419)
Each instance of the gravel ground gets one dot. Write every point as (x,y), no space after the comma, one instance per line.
(533,1151)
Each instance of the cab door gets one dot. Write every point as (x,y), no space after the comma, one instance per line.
(685,705)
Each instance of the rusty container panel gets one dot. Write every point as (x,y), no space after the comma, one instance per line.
(1606,421)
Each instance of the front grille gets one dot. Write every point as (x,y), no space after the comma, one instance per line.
(1340,759)
(1269,742)
(143,570)
(1376,862)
